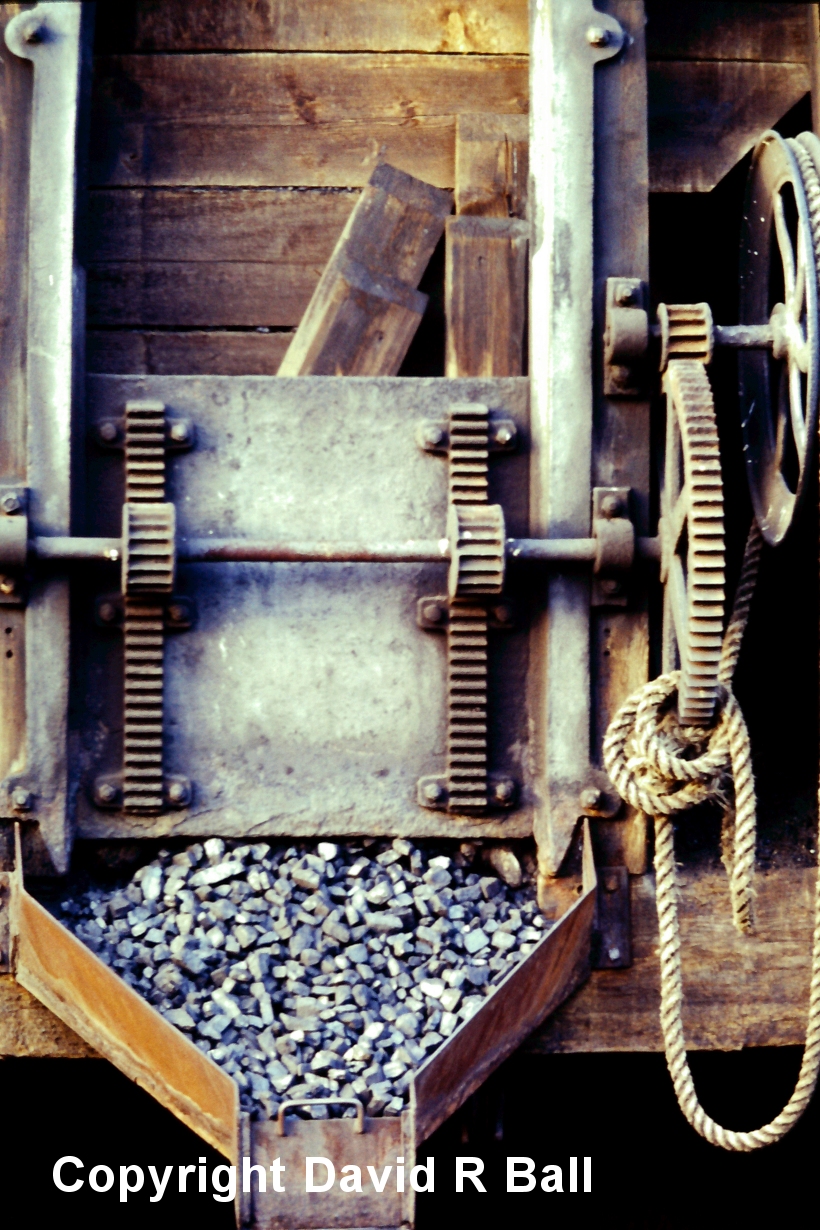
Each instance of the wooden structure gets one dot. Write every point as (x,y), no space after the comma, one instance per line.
(220,179)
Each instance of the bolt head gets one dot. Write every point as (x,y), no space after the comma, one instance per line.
(107,612)
(21,799)
(614,954)
(180,433)
(36,34)
(434,613)
(8,585)
(598,36)
(177,613)
(178,792)
(611,884)
(626,296)
(504,790)
(433,792)
(591,798)
(610,506)
(505,434)
(503,614)
(11,503)
(610,586)
(433,435)
(106,792)
(108,432)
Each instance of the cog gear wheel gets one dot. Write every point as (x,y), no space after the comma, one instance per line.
(692,541)
(687,332)
(477,549)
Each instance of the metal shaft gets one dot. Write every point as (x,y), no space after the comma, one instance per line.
(415,551)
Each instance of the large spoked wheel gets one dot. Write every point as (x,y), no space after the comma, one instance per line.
(780,241)
(692,545)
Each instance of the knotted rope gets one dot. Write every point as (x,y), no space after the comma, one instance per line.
(661,768)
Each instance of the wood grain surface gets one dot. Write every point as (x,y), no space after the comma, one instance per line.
(739,990)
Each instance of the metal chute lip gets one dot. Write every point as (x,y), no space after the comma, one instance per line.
(764,430)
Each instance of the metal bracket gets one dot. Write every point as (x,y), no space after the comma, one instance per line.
(433,435)
(567,42)
(626,336)
(433,792)
(179,612)
(107,791)
(56,38)
(109,433)
(433,614)
(611,933)
(615,535)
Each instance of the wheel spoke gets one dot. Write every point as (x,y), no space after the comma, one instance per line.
(678,519)
(784,244)
(796,408)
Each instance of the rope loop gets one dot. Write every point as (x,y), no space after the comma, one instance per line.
(662,768)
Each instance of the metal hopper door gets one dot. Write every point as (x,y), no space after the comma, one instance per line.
(300,696)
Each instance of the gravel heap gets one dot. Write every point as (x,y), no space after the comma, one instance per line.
(315,970)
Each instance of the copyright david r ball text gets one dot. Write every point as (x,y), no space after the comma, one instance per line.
(317,1174)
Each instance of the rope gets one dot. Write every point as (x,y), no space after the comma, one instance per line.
(662,768)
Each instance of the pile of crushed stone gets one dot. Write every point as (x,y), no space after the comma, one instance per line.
(315,970)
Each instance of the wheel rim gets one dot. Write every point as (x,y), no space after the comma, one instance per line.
(778,283)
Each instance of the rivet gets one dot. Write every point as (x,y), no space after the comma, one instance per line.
(433,792)
(21,799)
(610,586)
(177,613)
(503,614)
(614,954)
(108,432)
(611,884)
(503,790)
(433,435)
(107,612)
(434,613)
(178,792)
(179,432)
(626,296)
(610,506)
(106,792)
(505,434)
(11,503)
(598,36)
(591,798)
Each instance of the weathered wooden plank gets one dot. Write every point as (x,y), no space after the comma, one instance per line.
(703,117)
(337,154)
(365,309)
(27,1028)
(739,990)
(195,294)
(305,89)
(485,296)
(355,325)
(492,165)
(182,353)
(493,27)
(281,225)
(726,30)
(261,119)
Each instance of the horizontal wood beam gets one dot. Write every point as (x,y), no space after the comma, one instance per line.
(212,352)
(494,27)
(738,990)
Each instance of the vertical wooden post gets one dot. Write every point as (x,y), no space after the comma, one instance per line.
(487,245)
(485,292)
